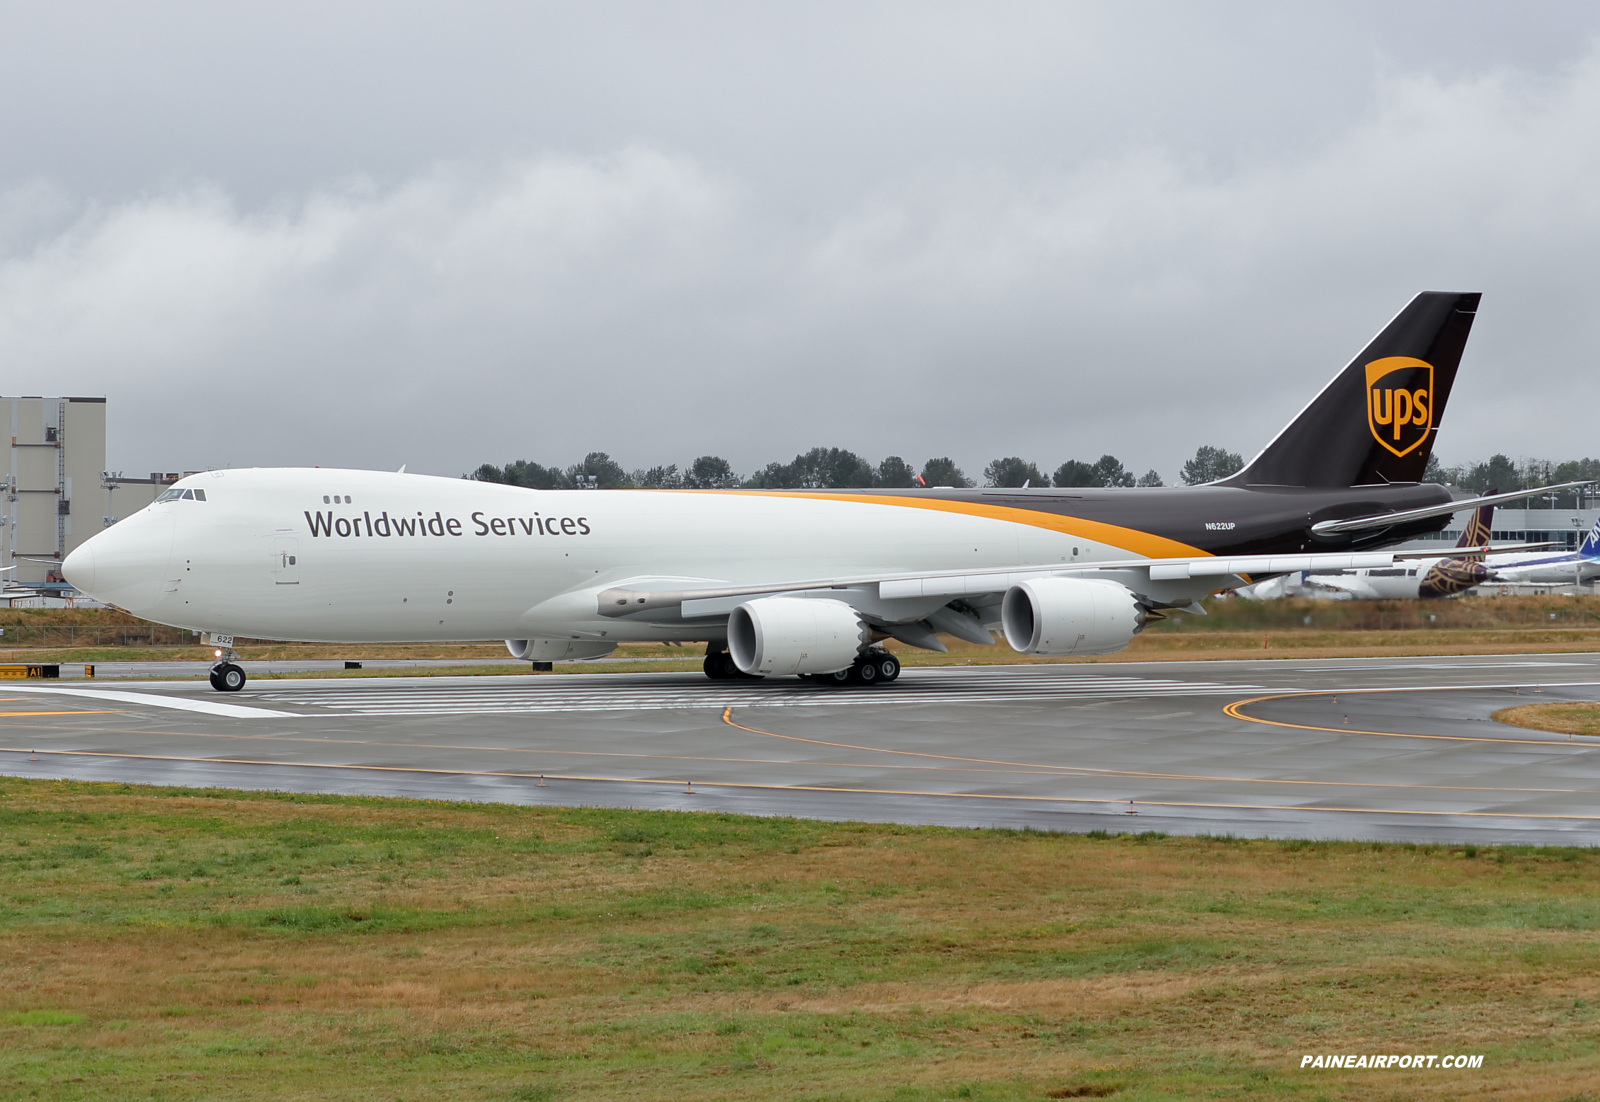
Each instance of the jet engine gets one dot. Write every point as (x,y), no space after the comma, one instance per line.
(778,635)
(1070,616)
(557,650)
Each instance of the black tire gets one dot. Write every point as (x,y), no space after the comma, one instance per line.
(216,682)
(838,677)
(888,668)
(864,672)
(720,667)
(228,678)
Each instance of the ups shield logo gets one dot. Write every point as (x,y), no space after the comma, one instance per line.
(1400,402)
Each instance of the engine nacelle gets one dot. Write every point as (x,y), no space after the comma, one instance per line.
(1057,616)
(778,635)
(557,650)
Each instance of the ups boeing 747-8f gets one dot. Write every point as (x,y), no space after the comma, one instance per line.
(779,582)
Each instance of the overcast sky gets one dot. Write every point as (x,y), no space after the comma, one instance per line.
(368,234)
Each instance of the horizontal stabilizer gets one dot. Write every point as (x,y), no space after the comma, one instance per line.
(1384,520)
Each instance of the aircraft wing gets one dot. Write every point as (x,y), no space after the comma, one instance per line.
(1161,570)
(630,600)
(649,595)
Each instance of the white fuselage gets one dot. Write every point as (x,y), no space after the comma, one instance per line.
(1393,583)
(1544,569)
(1403,582)
(339,555)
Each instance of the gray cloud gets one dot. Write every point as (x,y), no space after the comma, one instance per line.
(924,244)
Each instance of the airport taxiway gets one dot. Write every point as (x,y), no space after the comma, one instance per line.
(1399,749)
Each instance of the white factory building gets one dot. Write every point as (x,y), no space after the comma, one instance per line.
(57,490)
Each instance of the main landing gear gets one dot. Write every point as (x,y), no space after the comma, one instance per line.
(872,668)
(719,666)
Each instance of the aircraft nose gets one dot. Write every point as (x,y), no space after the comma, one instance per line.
(79,569)
(125,565)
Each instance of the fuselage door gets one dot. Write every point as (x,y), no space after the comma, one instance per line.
(286,560)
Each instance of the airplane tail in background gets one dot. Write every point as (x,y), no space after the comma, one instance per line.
(1374,424)
(1459,573)
(1478,529)
(1590,547)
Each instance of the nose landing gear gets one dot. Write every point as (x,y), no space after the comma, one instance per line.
(227,676)
(719,666)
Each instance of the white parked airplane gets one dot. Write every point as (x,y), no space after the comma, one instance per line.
(1421,577)
(788,582)
(1475,562)
(1578,567)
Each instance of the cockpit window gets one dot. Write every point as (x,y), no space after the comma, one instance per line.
(170,495)
(188,495)
(199,495)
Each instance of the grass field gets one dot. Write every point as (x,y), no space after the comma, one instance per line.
(1233,629)
(176,944)
(1577,718)
(1192,646)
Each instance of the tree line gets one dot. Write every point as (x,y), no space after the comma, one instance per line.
(840,469)
(1500,473)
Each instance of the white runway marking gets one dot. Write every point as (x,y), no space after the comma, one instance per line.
(595,695)
(1439,666)
(153,700)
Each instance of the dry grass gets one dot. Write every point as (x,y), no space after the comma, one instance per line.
(1579,718)
(1214,646)
(194,945)
(1233,629)
(650,658)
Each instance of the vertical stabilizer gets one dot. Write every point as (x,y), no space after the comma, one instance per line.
(1375,422)
(1590,547)
(1478,529)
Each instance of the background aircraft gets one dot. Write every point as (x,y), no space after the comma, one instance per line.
(1578,567)
(1446,576)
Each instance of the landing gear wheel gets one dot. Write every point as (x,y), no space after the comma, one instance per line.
(838,677)
(888,667)
(864,672)
(227,678)
(720,667)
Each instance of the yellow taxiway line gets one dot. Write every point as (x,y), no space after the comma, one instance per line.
(1233,710)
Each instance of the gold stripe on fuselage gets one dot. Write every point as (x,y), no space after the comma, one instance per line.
(1132,540)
